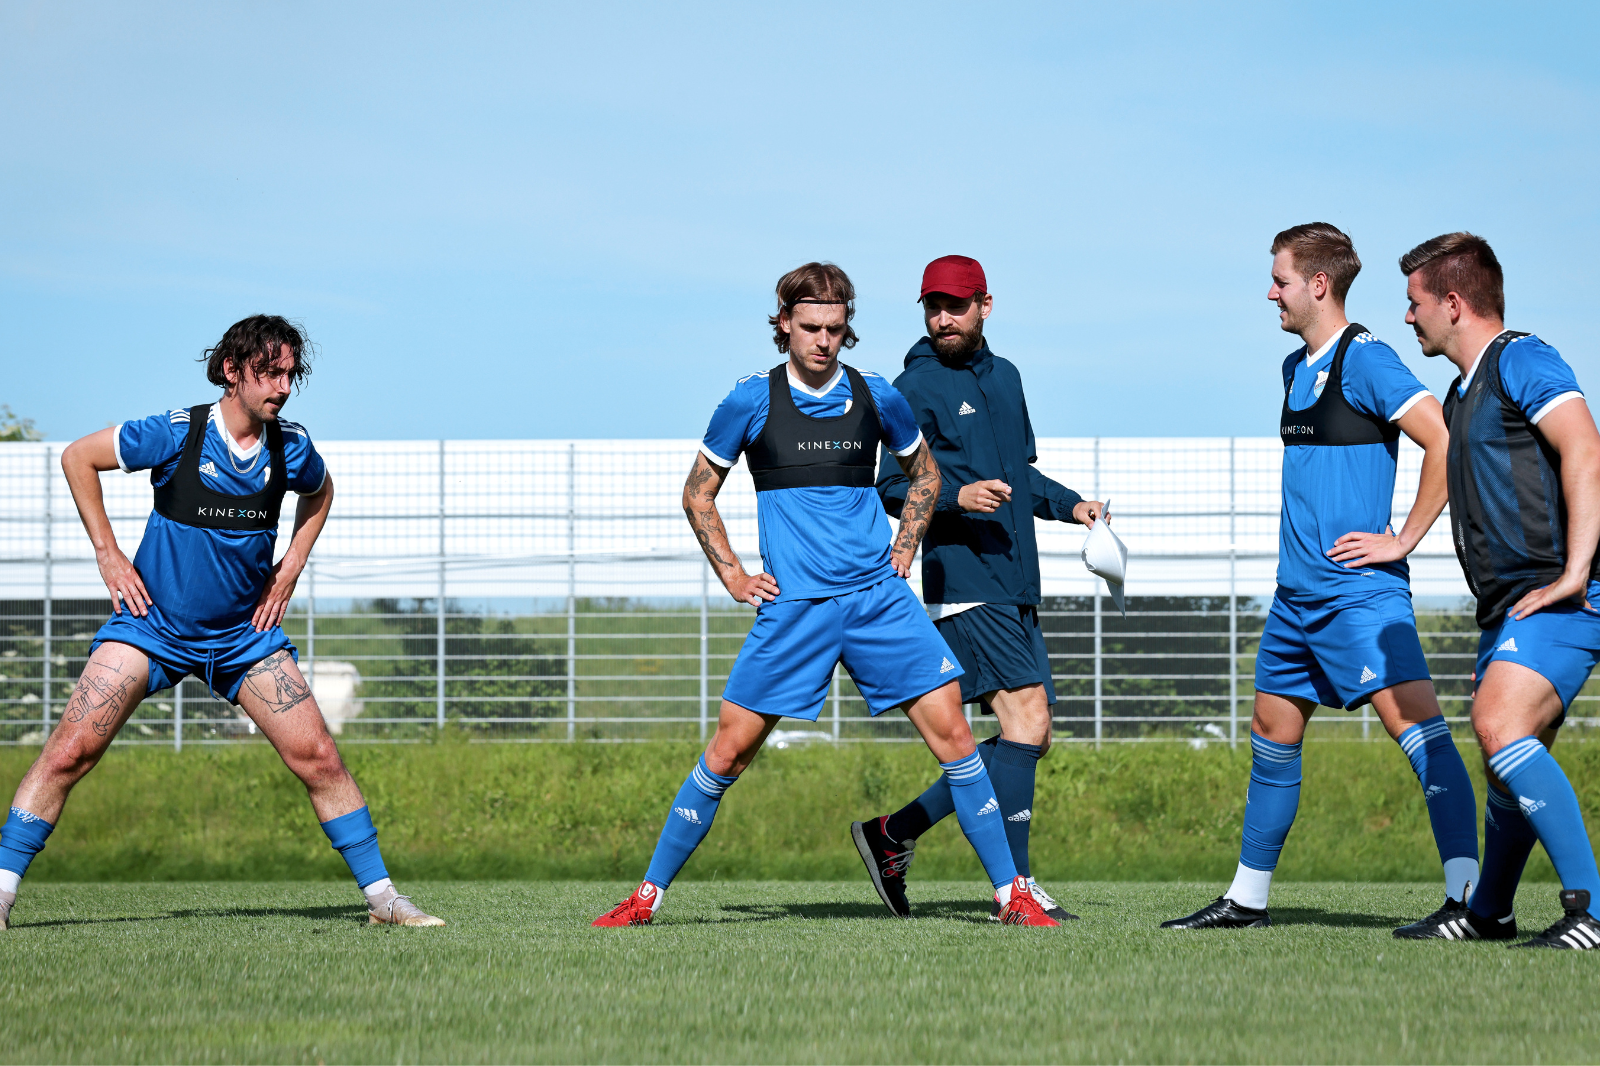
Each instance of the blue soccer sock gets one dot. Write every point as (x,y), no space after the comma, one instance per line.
(355,838)
(979,813)
(934,805)
(1508,839)
(688,822)
(1452,808)
(1551,807)
(1270,806)
(22,838)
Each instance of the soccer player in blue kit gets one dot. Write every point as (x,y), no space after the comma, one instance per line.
(202,596)
(1341,631)
(833,587)
(1524,477)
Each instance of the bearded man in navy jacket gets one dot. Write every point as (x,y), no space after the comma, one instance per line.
(980,562)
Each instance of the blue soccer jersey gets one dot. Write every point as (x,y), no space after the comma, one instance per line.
(205,582)
(1533,375)
(823,541)
(1329,491)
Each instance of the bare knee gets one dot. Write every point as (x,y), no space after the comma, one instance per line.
(317,762)
(68,760)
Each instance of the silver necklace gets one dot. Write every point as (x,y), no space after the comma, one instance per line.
(227,446)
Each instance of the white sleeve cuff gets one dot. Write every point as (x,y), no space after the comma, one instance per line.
(726,464)
(1400,412)
(914,446)
(320,485)
(1553,404)
(116,448)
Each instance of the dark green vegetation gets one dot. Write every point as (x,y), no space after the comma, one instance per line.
(460,810)
(768,972)
(635,668)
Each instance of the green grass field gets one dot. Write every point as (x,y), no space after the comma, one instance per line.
(767,972)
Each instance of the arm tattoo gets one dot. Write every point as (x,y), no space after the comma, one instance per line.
(700,505)
(271,682)
(101,691)
(921,496)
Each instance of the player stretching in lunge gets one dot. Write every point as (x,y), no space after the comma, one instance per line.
(1341,631)
(203,597)
(980,563)
(1524,476)
(833,590)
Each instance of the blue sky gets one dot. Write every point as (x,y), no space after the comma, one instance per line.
(566,221)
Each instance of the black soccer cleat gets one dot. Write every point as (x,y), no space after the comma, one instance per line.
(1222,913)
(1576,931)
(887,862)
(1455,921)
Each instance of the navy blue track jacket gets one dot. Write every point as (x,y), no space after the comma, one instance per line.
(975,419)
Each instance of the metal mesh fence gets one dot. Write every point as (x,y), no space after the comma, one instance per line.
(551,590)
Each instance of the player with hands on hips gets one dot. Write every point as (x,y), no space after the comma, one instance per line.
(202,596)
(833,589)
(1341,631)
(1524,480)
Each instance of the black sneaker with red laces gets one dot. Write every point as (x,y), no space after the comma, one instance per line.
(887,861)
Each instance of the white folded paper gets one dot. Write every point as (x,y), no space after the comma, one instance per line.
(1107,557)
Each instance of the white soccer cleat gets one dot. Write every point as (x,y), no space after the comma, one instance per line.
(7,899)
(394,909)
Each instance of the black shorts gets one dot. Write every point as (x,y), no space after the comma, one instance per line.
(999,646)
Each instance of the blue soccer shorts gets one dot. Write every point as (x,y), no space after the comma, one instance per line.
(1338,652)
(220,660)
(1561,643)
(998,645)
(881,634)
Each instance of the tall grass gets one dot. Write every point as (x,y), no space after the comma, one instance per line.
(459,810)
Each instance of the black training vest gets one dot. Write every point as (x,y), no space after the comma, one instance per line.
(1331,420)
(797,451)
(185,499)
(1508,515)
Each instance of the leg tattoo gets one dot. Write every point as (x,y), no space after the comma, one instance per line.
(100,692)
(271,682)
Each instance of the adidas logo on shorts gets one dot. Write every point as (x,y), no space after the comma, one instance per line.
(945,666)
(994,805)
(967,409)
(1367,675)
(688,814)
(1509,645)
(1021,816)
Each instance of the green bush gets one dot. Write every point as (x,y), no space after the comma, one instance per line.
(459,810)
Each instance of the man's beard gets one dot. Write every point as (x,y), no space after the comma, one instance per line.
(960,346)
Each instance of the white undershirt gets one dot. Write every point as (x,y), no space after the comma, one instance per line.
(1466,379)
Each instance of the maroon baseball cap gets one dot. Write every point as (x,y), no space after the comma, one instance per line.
(954,274)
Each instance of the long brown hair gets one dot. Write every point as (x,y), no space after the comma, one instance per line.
(255,342)
(814,283)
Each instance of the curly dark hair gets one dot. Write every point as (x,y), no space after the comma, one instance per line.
(814,283)
(256,342)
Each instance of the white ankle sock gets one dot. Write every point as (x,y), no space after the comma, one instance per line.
(1459,877)
(376,890)
(9,880)
(1249,888)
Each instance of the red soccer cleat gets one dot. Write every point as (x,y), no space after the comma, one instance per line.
(1023,908)
(637,909)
